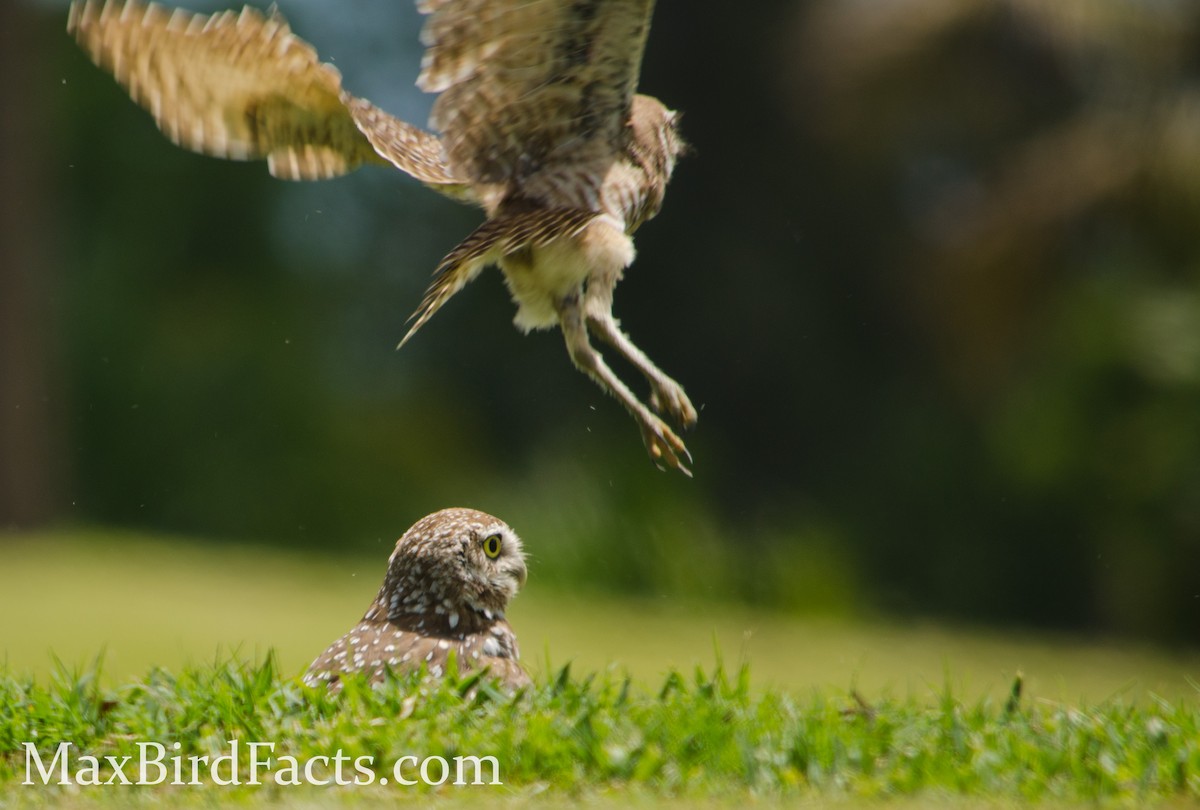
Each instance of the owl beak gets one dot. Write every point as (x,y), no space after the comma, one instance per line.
(520,573)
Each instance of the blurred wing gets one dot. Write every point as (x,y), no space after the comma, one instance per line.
(525,83)
(412,150)
(243,86)
(488,243)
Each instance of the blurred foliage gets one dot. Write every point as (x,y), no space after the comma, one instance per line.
(932,271)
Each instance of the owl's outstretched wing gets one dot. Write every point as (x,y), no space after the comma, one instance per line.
(243,86)
(530,83)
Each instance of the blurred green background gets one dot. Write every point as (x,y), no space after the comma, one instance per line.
(932,273)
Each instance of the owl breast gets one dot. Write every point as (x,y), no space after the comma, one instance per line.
(541,278)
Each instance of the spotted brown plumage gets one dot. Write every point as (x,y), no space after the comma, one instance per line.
(540,125)
(447,586)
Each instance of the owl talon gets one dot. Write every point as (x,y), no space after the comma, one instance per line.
(671,400)
(664,447)
(563,194)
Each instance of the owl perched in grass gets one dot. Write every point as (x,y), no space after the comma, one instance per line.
(447,585)
(540,122)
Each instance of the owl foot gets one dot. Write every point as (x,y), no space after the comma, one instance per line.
(667,396)
(665,448)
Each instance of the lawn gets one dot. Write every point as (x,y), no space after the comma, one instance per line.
(828,710)
(166,602)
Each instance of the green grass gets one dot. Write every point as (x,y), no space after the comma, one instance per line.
(828,710)
(700,736)
(154,601)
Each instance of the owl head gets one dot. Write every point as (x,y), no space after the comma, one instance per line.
(461,565)
(656,133)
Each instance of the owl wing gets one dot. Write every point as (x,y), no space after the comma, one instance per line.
(526,83)
(243,86)
(498,236)
(374,647)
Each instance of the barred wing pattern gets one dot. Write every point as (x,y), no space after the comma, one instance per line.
(487,244)
(527,83)
(541,126)
(241,85)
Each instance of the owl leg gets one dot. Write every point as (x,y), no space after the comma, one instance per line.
(666,395)
(662,444)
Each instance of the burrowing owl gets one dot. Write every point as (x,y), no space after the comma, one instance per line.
(540,126)
(447,585)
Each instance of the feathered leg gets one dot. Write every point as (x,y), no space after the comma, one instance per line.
(662,444)
(666,395)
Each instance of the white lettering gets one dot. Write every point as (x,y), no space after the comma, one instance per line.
(290,774)
(89,774)
(60,761)
(308,771)
(150,766)
(477,770)
(145,762)
(340,759)
(445,766)
(363,765)
(177,763)
(197,762)
(230,758)
(398,774)
(118,766)
(256,763)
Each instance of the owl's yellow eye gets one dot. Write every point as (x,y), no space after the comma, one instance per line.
(491,546)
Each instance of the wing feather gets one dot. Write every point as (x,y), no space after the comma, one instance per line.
(408,148)
(526,83)
(241,85)
(488,243)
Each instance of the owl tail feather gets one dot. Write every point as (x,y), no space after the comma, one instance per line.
(489,242)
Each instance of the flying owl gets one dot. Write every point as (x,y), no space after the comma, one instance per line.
(447,585)
(540,126)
